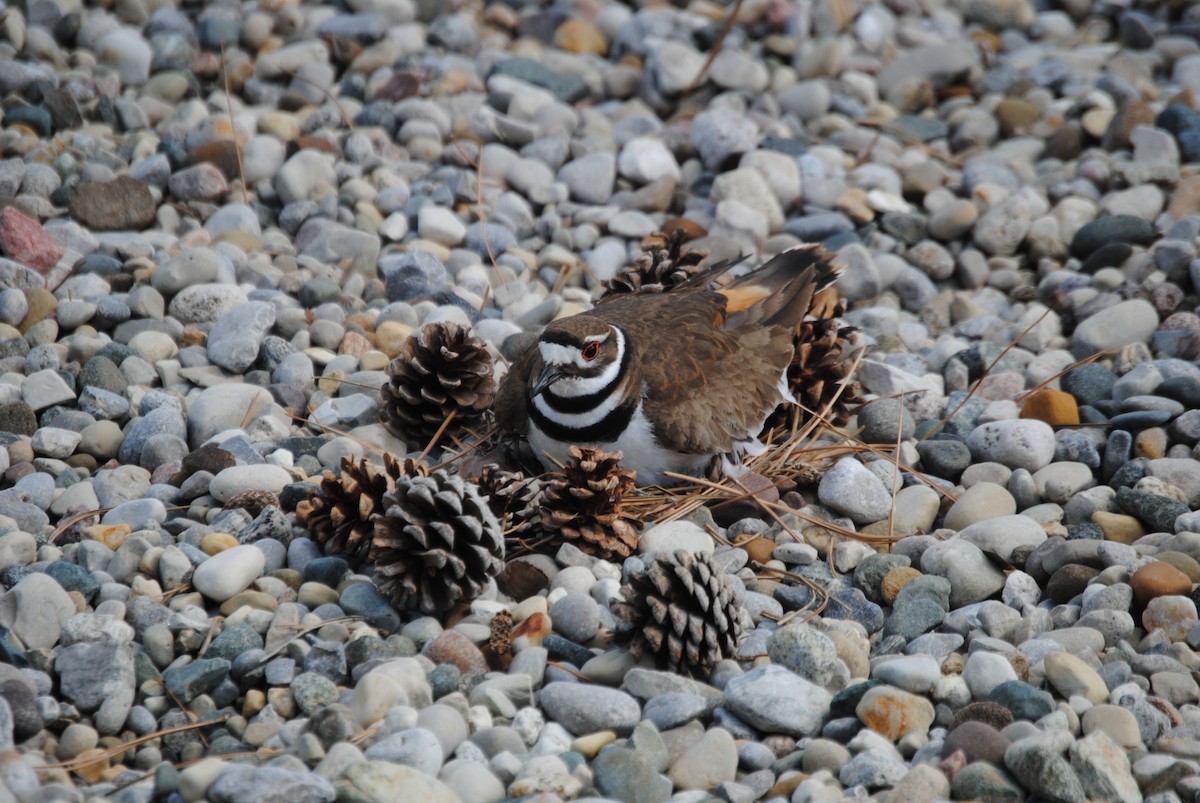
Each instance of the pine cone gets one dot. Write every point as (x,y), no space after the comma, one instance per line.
(664,264)
(583,504)
(512,497)
(443,370)
(436,543)
(498,649)
(821,366)
(679,609)
(340,511)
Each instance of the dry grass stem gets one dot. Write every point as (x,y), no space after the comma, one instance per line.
(82,761)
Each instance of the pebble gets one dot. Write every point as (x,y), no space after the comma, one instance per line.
(229,572)
(582,709)
(775,700)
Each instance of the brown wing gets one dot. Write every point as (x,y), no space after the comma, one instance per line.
(512,397)
(707,387)
(716,357)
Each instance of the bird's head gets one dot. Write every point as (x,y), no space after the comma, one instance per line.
(579,355)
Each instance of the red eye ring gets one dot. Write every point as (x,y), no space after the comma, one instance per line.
(591,351)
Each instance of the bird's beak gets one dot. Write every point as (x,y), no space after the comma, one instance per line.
(549,375)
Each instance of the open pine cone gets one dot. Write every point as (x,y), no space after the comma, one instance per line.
(680,610)
(512,497)
(821,367)
(441,371)
(340,511)
(436,543)
(583,504)
(664,264)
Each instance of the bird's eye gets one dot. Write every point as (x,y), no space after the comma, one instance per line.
(591,351)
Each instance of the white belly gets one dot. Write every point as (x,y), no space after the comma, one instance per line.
(639,448)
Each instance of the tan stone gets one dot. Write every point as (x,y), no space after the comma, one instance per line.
(895,580)
(1055,407)
(1118,527)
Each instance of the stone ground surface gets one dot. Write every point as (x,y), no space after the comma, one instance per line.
(1013,188)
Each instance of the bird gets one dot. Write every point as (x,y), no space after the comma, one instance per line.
(678,381)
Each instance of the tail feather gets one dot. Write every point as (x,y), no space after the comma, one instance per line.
(781,292)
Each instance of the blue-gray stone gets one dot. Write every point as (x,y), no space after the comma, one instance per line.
(363,599)
(1140,419)
(411,275)
(1023,700)
(1158,513)
(623,774)
(567,87)
(1110,229)
(329,571)
(74,578)
(850,603)
(189,681)
(234,640)
(914,618)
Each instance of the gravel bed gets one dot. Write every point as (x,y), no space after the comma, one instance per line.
(221,222)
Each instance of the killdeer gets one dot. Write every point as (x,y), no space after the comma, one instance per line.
(673,380)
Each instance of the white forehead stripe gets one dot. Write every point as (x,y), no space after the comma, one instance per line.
(555,354)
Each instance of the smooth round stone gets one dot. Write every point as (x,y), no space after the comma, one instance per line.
(972,576)
(1117,722)
(985,671)
(471,781)
(305,175)
(951,221)
(805,651)
(673,535)
(452,647)
(978,741)
(720,133)
(1175,615)
(75,740)
(240,782)
(1004,535)
(1126,322)
(228,572)
(238,479)
(625,774)
(205,303)
(647,159)
(982,501)
(1158,579)
(1070,677)
(1018,443)
(673,709)
(775,700)
(917,508)
(1036,764)
(895,713)
(884,421)
(577,617)
(415,747)
(853,490)
(590,178)
(916,673)
(944,458)
(585,709)
(710,761)
(235,337)
(982,780)
(1111,229)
